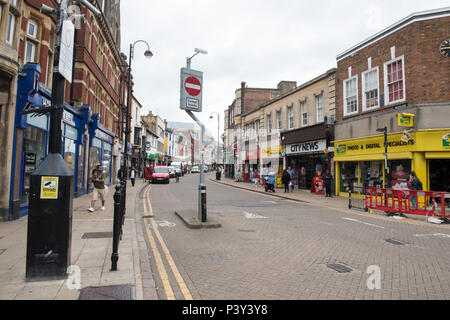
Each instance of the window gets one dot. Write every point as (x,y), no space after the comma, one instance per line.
(239,106)
(394,81)
(10,29)
(291,117)
(304,112)
(13,2)
(257,124)
(370,89)
(30,50)
(351,96)
(319,108)
(279,121)
(269,123)
(32,28)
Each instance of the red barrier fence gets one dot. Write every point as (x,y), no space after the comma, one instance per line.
(425,203)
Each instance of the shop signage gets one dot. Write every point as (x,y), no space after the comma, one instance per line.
(446,141)
(104,136)
(49,188)
(272,152)
(306,147)
(406,119)
(68,118)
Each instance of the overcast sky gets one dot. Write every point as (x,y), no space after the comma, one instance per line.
(260,42)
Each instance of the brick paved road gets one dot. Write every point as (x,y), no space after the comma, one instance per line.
(270,248)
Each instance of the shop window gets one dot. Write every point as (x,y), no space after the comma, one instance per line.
(399,174)
(370,89)
(440,175)
(371,175)
(349,176)
(394,79)
(351,96)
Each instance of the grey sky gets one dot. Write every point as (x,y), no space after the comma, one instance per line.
(260,42)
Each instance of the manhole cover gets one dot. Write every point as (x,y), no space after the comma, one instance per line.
(339,268)
(120,292)
(246,230)
(395,242)
(97,235)
(2,251)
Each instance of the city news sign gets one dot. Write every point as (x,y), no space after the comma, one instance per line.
(191,89)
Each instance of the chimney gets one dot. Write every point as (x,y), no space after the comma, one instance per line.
(285,86)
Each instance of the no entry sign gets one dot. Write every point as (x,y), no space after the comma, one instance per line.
(193,86)
(191,90)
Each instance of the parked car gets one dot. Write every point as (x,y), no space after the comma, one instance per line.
(172,171)
(195,169)
(161,174)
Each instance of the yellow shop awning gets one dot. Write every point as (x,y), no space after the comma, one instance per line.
(438,155)
(374,157)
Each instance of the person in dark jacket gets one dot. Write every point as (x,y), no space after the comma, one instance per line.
(415,185)
(285,179)
(327,180)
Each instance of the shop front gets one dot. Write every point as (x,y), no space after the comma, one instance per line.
(31,137)
(308,153)
(360,163)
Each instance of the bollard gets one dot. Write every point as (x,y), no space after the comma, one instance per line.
(117,226)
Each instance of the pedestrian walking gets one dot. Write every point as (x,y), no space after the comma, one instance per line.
(121,173)
(416,184)
(98,178)
(133,176)
(291,173)
(327,180)
(286,179)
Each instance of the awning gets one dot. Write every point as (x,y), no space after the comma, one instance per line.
(438,155)
(374,157)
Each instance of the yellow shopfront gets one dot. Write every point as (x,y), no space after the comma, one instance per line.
(360,163)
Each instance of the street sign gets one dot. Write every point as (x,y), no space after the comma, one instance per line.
(66,51)
(191,90)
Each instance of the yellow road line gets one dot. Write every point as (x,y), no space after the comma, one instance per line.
(184,289)
(159,263)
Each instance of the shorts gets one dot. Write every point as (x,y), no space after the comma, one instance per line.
(97,193)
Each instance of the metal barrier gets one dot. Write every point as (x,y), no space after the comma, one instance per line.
(119,220)
(425,203)
(357,202)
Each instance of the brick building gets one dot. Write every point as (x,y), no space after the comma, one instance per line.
(92,99)
(382,81)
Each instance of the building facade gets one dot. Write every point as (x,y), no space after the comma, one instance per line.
(10,17)
(396,75)
(91,109)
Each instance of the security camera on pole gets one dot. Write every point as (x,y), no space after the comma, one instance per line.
(191,100)
(51,185)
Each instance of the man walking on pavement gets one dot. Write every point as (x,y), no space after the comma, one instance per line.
(133,176)
(327,180)
(98,178)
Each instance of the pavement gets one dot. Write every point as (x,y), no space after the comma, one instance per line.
(91,255)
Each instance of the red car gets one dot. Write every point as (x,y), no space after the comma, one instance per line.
(161,174)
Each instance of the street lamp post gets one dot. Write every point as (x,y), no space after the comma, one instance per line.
(218,129)
(386,168)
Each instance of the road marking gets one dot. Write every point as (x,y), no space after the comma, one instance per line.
(164,223)
(440,235)
(182,285)
(159,263)
(249,215)
(272,202)
(369,224)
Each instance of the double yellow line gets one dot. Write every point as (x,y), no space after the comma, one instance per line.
(158,259)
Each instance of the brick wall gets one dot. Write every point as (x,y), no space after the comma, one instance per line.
(427,74)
